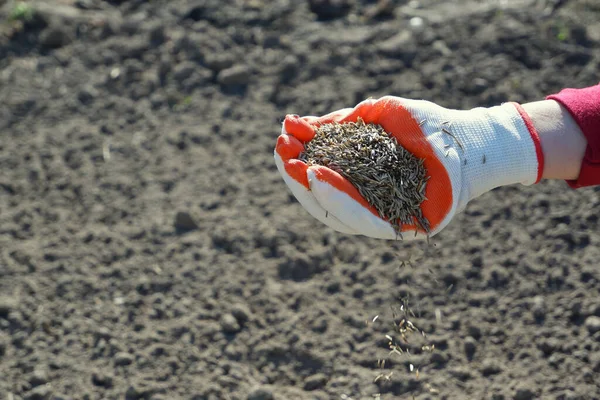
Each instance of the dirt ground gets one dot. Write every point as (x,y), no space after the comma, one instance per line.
(150,250)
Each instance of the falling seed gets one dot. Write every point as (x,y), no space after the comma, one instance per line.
(106,151)
(375,319)
(389,177)
(412,367)
(396,350)
(431,389)
(382,376)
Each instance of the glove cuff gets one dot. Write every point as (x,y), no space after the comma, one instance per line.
(501,147)
(535,137)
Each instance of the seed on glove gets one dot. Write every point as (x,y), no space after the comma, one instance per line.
(389,177)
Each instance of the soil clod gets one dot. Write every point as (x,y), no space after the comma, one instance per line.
(107,137)
(236,75)
(314,382)
(260,394)
(524,394)
(123,359)
(470,346)
(184,222)
(38,377)
(329,9)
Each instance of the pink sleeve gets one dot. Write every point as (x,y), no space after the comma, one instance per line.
(584,106)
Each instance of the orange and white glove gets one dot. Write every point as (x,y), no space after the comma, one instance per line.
(466,153)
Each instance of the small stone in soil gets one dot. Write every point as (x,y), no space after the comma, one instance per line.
(592,324)
(229,324)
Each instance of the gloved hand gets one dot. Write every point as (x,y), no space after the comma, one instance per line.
(466,153)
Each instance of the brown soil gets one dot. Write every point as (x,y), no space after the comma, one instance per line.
(150,250)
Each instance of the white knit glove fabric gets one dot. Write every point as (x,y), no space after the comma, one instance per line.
(479,149)
(497,147)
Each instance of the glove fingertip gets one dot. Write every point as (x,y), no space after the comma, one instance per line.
(298,127)
(288,147)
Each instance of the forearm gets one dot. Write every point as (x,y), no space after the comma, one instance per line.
(563,143)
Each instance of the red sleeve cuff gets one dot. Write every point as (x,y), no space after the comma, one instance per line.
(584,106)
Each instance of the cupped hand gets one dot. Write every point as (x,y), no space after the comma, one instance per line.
(465,154)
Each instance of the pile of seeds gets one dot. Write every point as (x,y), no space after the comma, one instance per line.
(385,174)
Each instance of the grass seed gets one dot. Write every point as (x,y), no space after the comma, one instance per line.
(388,176)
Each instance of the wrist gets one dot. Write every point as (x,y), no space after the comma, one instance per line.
(562,141)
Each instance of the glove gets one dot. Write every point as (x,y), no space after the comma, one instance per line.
(466,153)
